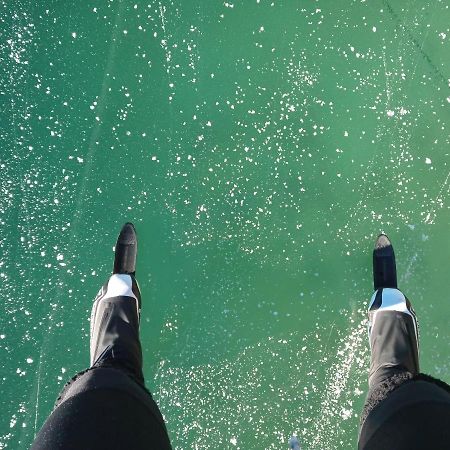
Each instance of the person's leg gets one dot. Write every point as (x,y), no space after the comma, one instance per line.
(115,326)
(107,405)
(393,336)
(404,409)
(393,329)
(104,409)
(115,342)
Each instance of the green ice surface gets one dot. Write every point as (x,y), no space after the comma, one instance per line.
(259,147)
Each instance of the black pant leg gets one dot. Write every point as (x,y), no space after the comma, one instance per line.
(104,408)
(414,415)
(107,406)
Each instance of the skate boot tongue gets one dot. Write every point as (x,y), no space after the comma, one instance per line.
(126,250)
(384,269)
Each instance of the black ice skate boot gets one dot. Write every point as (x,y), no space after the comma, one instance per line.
(116,312)
(393,328)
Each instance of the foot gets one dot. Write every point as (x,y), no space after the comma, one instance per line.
(125,256)
(387,297)
(125,253)
(126,250)
(384,270)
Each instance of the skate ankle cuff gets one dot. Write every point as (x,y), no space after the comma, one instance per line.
(120,285)
(389,299)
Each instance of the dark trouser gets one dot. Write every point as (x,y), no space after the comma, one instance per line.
(414,415)
(107,406)
(404,410)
